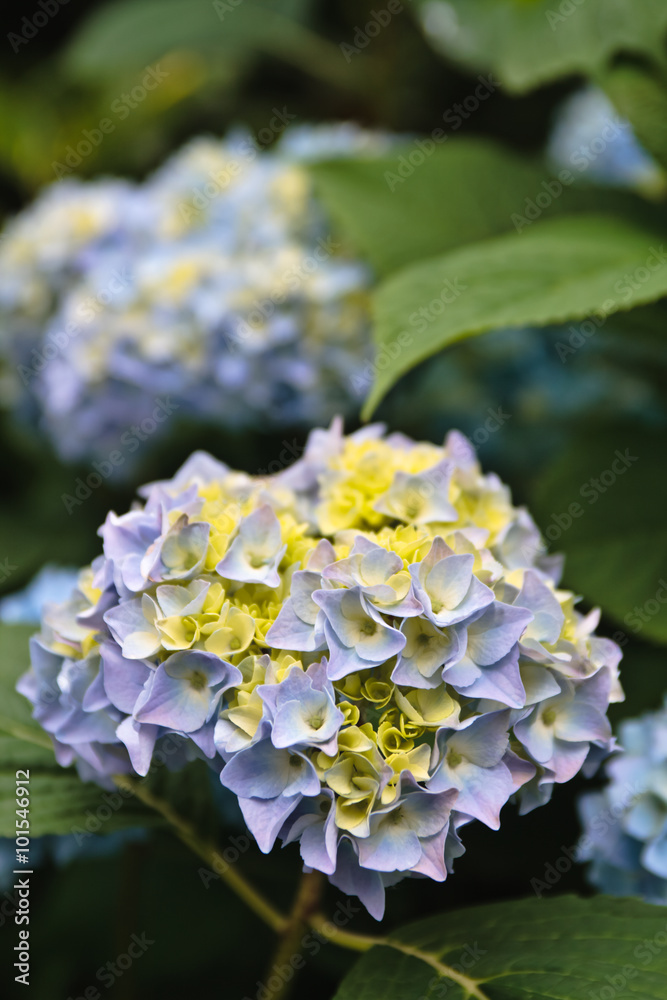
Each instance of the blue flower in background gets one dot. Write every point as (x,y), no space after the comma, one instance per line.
(217,284)
(25,607)
(625,824)
(592,140)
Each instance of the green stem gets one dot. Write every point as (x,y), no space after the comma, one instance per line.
(307,898)
(306,901)
(209,853)
(310,52)
(346,939)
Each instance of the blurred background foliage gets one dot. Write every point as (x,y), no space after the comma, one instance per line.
(228,63)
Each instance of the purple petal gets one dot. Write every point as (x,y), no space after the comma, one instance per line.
(140,742)
(123,679)
(494,633)
(353,880)
(266,817)
(180,697)
(499,681)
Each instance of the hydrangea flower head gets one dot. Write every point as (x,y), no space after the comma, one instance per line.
(370,647)
(218,283)
(625,824)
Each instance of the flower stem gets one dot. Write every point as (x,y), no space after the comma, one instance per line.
(345,939)
(303,912)
(209,853)
(306,901)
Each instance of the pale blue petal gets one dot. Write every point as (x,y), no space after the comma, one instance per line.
(140,742)
(123,679)
(494,633)
(266,817)
(353,880)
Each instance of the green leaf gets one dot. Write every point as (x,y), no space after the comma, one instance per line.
(59,801)
(557,270)
(396,213)
(398,208)
(532,949)
(16,722)
(616,542)
(531,42)
(129,35)
(641,98)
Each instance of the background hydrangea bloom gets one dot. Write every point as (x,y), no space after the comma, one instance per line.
(26,606)
(590,137)
(370,647)
(625,824)
(217,281)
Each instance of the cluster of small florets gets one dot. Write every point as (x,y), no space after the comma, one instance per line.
(370,647)
(625,824)
(217,283)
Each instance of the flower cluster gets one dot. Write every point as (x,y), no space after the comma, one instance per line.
(625,824)
(217,282)
(590,139)
(369,646)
